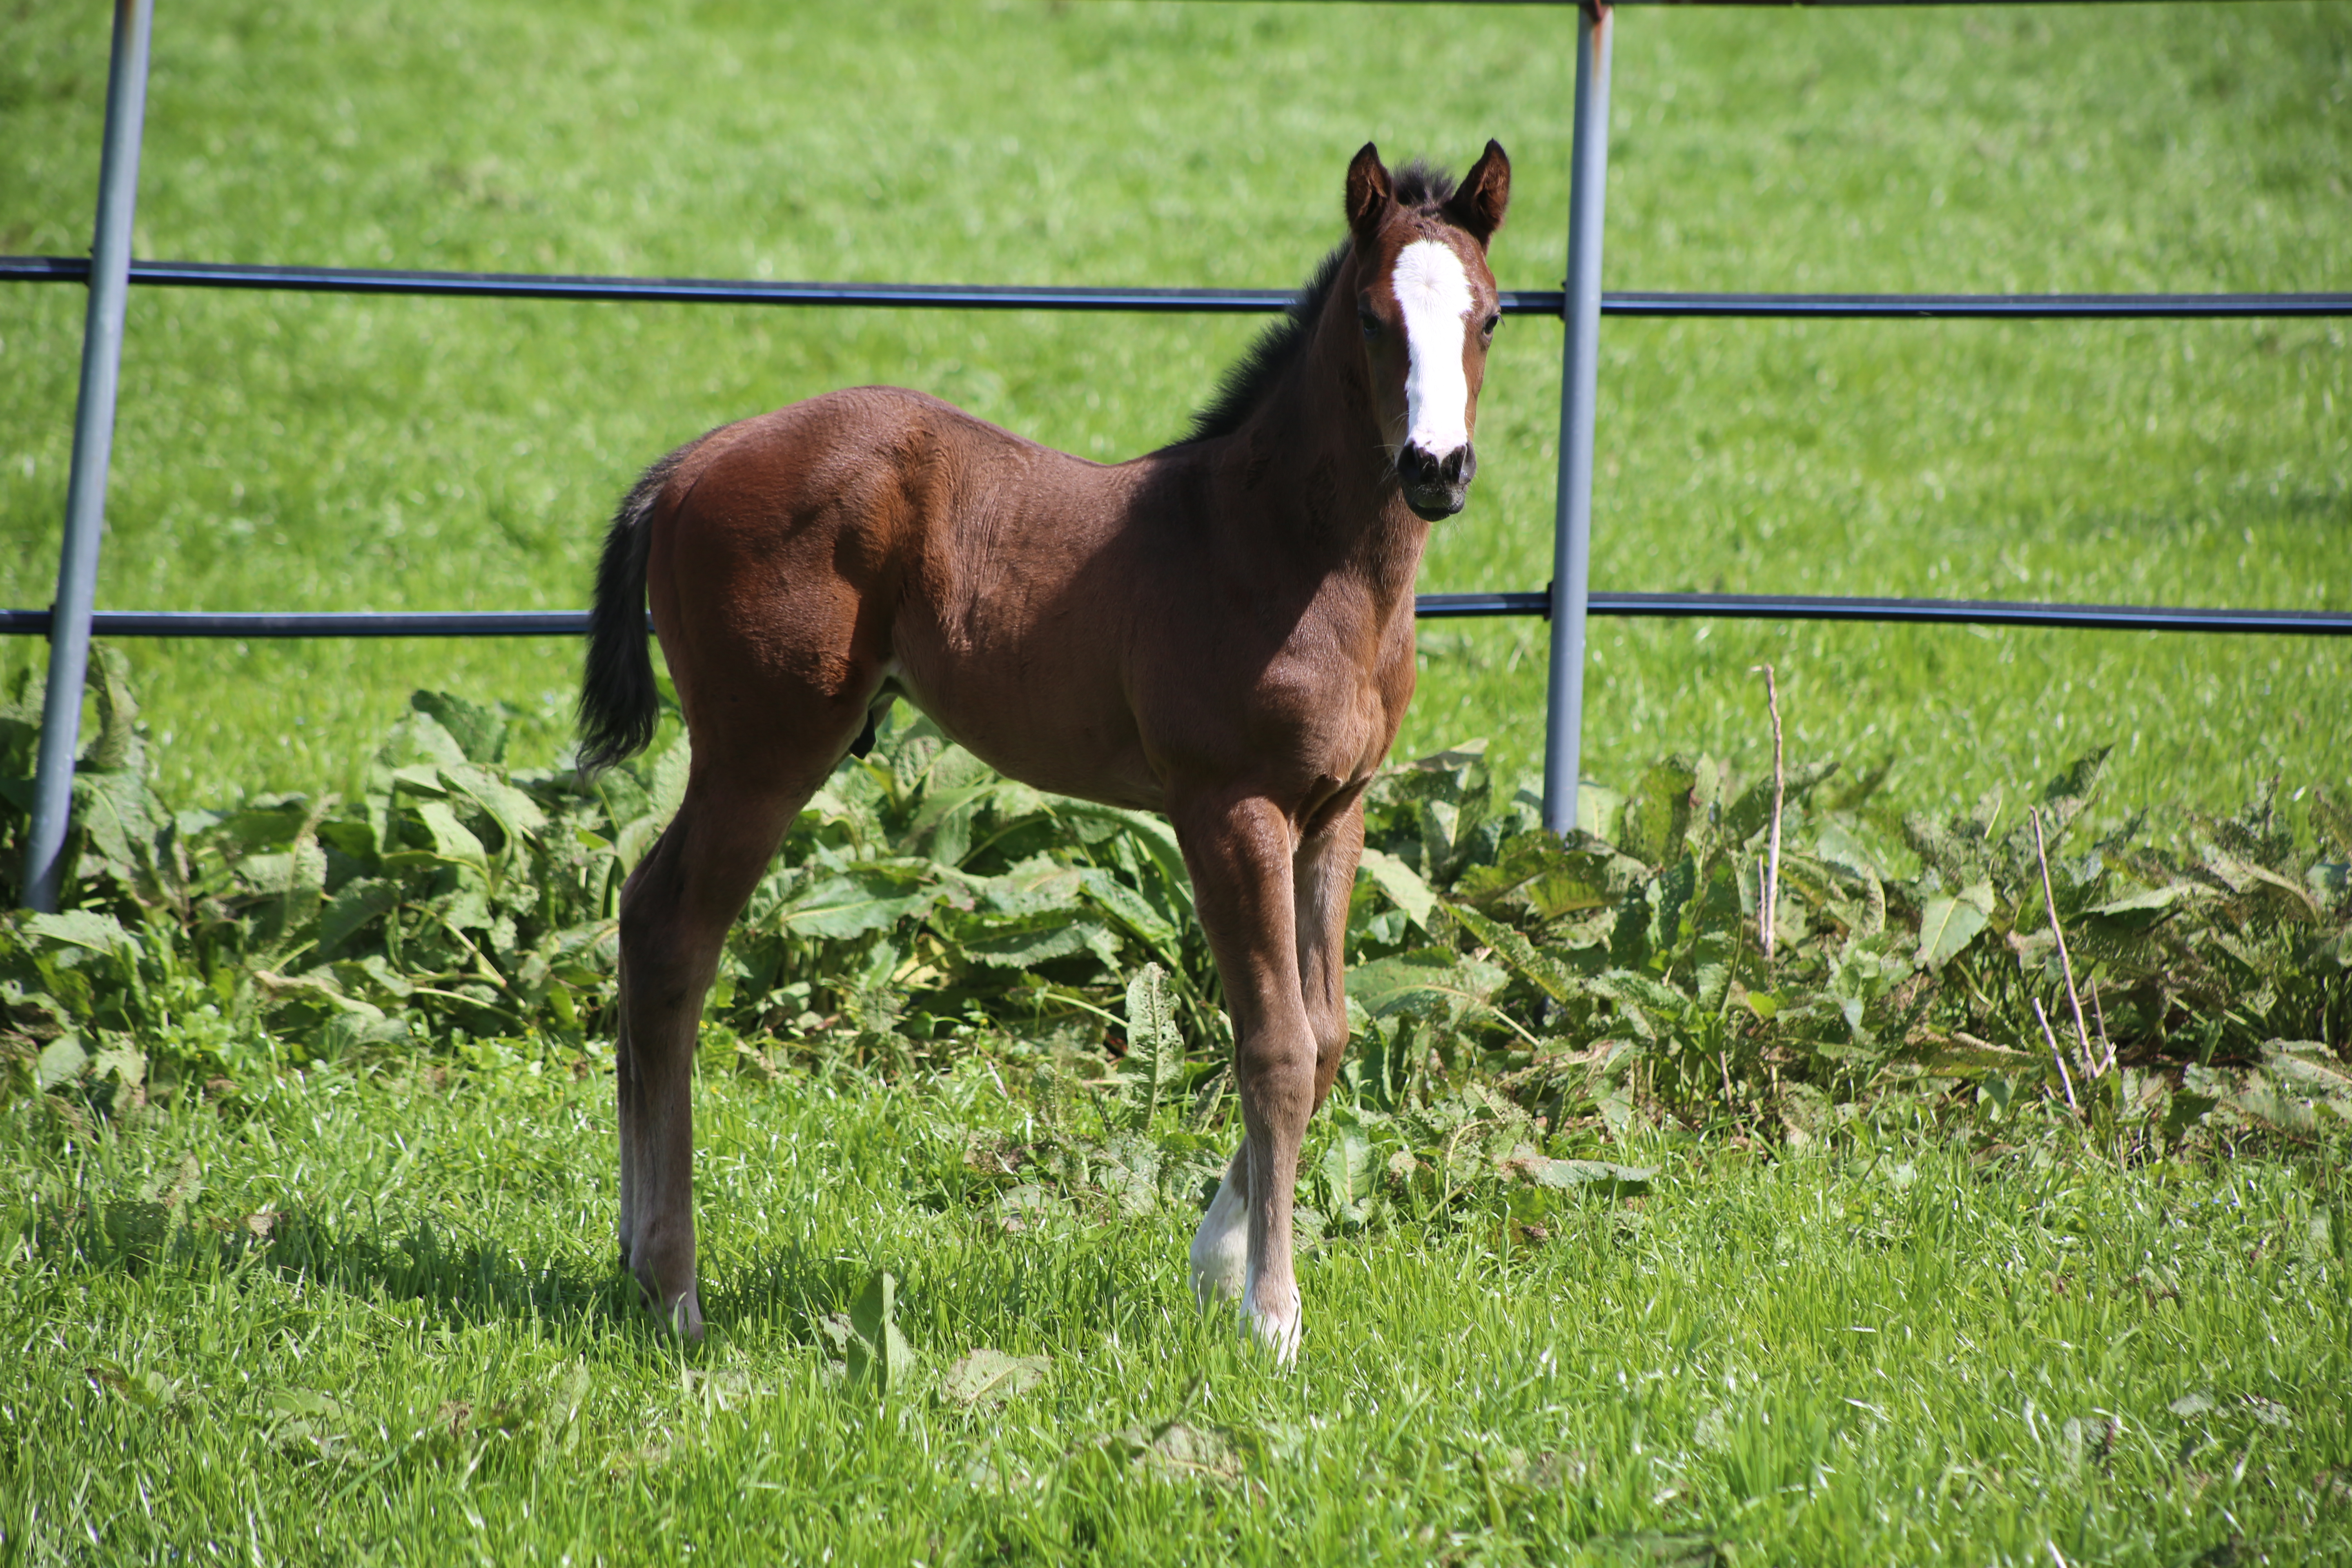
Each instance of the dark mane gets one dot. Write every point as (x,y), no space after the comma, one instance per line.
(1250,377)
(1418,185)
(1423,186)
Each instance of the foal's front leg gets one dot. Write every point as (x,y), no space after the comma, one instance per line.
(1239,853)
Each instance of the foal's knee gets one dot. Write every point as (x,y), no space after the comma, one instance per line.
(1278,1070)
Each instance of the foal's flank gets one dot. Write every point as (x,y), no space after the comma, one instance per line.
(1221,631)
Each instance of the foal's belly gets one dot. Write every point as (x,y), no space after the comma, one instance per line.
(1074,732)
(1044,731)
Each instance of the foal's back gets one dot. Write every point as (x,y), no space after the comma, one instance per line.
(879,542)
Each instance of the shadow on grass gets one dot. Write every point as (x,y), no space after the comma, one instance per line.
(470,1280)
(789,1291)
(463,1279)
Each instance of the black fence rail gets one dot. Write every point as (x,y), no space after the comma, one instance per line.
(1229,301)
(267,624)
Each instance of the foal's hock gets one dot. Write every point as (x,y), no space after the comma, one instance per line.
(1221,631)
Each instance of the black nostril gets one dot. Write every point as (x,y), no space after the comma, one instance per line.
(1411,463)
(1463,465)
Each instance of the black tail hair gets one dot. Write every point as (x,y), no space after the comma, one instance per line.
(619,704)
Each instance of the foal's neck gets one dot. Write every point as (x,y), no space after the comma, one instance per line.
(1315,453)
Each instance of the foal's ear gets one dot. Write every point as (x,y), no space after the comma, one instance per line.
(1368,195)
(1477,205)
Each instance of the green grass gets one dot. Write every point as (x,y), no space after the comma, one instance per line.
(1893,1353)
(1906,1350)
(287,451)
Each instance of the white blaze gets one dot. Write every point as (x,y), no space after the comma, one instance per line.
(1434,291)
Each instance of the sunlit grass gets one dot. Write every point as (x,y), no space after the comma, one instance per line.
(1893,1353)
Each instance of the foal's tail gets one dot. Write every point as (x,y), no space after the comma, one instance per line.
(619,704)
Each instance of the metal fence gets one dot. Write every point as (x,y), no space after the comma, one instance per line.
(109,270)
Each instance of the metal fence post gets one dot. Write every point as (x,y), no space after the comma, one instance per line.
(101,359)
(1580,371)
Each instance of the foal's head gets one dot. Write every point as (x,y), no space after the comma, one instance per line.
(1427,306)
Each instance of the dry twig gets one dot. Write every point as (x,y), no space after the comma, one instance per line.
(1772,858)
(2057,1056)
(2101,1015)
(2066,962)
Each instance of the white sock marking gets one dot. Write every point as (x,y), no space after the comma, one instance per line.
(1220,1248)
(1434,290)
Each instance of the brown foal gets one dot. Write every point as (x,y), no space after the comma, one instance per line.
(1221,631)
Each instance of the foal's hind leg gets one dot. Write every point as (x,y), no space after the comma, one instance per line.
(1323,875)
(674,912)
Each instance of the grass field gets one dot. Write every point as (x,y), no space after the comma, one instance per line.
(377,1321)
(370,1314)
(280,450)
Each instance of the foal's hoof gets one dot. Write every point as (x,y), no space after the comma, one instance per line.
(1276,1325)
(686,1318)
(682,1315)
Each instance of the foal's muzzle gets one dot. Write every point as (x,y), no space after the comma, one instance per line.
(1436,487)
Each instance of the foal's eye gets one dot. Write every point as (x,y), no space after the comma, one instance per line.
(1490,324)
(1368,320)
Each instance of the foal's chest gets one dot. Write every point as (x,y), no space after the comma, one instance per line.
(1336,716)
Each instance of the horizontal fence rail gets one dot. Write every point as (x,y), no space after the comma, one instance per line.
(1045,296)
(260,624)
(264,624)
(694,291)
(1970,307)
(1914,612)
(1973,613)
